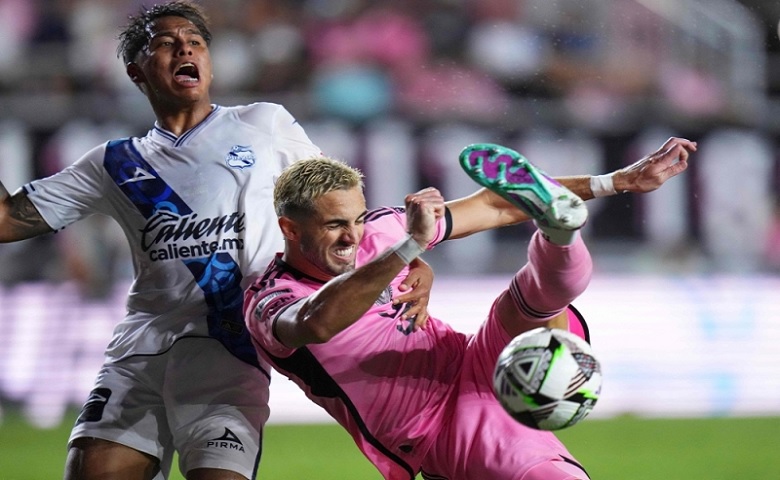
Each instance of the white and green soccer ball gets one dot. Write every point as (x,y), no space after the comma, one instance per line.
(547,379)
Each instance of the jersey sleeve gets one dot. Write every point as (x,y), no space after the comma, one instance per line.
(266,306)
(398,214)
(71,194)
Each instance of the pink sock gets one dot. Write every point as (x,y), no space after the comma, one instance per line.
(553,277)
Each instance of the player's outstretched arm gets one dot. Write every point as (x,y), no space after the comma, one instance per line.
(643,176)
(654,170)
(19,219)
(484,210)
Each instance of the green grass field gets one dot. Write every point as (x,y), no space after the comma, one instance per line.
(617,449)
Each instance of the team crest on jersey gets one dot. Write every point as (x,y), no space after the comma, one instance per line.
(240,157)
(385,297)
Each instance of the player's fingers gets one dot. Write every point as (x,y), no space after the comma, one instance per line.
(678,168)
(679,153)
(670,155)
(418,313)
(421,321)
(411,293)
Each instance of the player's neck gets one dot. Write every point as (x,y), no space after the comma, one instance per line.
(300,263)
(181,120)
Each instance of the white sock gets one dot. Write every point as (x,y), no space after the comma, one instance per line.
(558,236)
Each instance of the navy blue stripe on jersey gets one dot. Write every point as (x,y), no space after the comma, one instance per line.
(220,278)
(303,364)
(218,275)
(139,181)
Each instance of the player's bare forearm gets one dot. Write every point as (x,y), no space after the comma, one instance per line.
(341,302)
(480,211)
(19,219)
(485,210)
(578,184)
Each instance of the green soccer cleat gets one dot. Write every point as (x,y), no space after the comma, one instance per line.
(508,174)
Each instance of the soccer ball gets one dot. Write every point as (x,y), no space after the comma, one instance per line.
(547,379)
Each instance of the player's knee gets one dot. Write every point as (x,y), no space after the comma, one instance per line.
(97,459)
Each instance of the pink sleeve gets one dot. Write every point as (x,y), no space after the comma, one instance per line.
(266,306)
(442,226)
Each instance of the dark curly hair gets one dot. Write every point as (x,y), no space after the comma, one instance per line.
(134,36)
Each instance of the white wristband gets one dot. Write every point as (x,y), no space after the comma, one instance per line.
(408,249)
(602,185)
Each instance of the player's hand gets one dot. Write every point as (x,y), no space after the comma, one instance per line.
(416,292)
(422,210)
(655,169)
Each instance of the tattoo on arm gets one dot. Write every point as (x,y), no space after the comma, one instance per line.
(19,219)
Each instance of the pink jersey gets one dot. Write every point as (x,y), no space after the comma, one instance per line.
(420,400)
(384,383)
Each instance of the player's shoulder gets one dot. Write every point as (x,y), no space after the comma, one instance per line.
(261,114)
(380,217)
(280,272)
(95,155)
(383,227)
(386,214)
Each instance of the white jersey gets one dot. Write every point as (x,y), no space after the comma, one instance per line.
(198,213)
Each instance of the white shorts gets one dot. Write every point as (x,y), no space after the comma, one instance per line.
(196,399)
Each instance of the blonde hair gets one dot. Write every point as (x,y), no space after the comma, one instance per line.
(303,182)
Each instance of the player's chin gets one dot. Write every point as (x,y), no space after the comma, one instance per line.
(340,265)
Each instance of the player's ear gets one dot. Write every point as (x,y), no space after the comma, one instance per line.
(289,228)
(135,73)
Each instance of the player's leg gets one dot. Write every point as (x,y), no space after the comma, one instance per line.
(480,440)
(217,406)
(544,287)
(121,432)
(97,459)
(559,264)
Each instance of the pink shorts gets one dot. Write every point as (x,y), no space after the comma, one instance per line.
(479,440)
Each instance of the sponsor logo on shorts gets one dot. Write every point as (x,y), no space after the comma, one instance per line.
(94,406)
(228,441)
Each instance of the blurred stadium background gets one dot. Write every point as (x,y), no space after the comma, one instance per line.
(684,306)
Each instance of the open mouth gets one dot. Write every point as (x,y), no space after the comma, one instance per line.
(187,73)
(344,253)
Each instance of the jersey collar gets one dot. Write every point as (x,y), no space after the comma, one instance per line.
(159,134)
